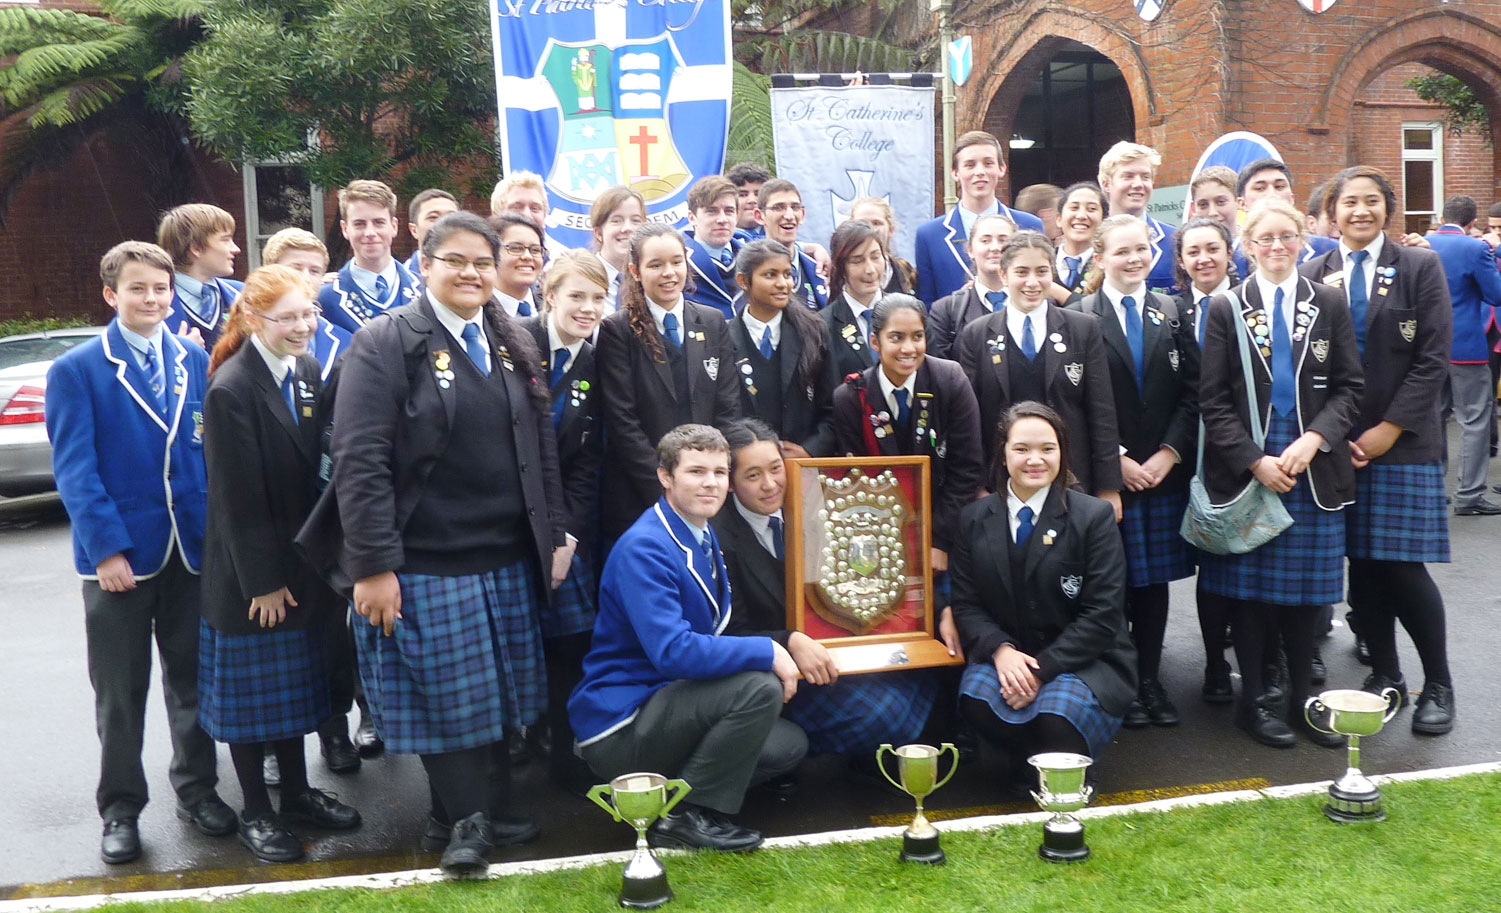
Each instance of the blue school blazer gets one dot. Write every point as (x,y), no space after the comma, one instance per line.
(132,478)
(346,306)
(942,259)
(213,324)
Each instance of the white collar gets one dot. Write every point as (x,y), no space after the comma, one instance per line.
(1016,321)
(1220,289)
(1015,504)
(186,283)
(1268,291)
(1374,249)
(280,365)
(555,342)
(455,324)
(856,308)
(888,388)
(1115,297)
(658,312)
(982,290)
(140,343)
(365,278)
(760,524)
(757,329)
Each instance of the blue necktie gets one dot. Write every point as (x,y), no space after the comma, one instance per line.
(524,306)
(777,541)
(559,366)
(208,301)
(1284,376)
(475,349)
(670,324)
(726,258)
(1134,335)
(286,394)
(1359,296)
(1029,342)
(1073,270)
(903,409)
(863,319)
(559,359)
(996,300)
(766,347)
(157,377)
(1024,524)
(382,287)
(706,545)
(1203,316)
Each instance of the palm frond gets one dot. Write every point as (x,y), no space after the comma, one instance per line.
(140,10)
(818,51)
(76,102)
(749,138)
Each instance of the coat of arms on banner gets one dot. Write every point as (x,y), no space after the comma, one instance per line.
(614,128)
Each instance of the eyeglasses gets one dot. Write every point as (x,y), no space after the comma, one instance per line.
(290,321)
(780,208)
(1286,239)
(517,249)
(459,264)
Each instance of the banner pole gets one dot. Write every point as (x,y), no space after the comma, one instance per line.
(945,10)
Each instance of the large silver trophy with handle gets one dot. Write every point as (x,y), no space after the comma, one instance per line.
(639,799)
(1062,791)
(1352,714)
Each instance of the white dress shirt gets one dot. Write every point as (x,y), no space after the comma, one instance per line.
(1015,504)
(454,324)
(760,524)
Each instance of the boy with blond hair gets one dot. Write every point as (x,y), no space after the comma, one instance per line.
(372,282)
(200,239)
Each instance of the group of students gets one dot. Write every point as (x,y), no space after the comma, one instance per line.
(522,488)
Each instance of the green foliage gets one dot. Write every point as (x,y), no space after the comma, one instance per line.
(749,137)
(816,51)
(1465,114)
(29,324)
(386,86)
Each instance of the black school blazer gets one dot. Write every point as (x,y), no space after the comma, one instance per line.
(262,484)
(1409,323)
(1329,386)
(580,436)
(757,578)
(1067,611)
(807,408)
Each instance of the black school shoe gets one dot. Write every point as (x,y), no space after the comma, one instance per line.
(316,808)
(211,816)
(1217,687)
(1376,683)
(1434,714)
(504,831)
(1154,700)
(121,841)
(468,851)
(265,837)
(339,753)
(694,827)
(1260,720)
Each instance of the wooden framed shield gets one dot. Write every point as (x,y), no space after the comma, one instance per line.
(859,576)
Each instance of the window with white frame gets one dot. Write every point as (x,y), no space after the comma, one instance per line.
(277,196)
(1422,175)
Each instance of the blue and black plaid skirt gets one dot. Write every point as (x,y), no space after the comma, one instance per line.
(573,608)
(464,661)
(859,712)
(1155,552)
(1398,514)
(1305,565)
(1066,696)
(261,687)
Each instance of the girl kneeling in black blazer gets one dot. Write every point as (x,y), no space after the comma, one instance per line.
(1039,590)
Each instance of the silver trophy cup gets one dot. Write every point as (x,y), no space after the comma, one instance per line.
(1352,714)
(639,799)
(1062,790)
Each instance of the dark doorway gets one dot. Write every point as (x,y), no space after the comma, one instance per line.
(1076,109)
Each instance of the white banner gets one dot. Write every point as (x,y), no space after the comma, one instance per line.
(840,143)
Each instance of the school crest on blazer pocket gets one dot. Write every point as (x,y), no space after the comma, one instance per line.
(1074,371)
(1071,584)
(1320,348)
(1172,358)
(1409,329)
(711,368)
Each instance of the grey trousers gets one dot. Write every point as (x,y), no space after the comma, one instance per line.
(1473,400)
(721,735)
(119,628)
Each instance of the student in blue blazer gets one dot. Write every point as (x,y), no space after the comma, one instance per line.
(372,282)
(125,417)
(712,244)
(426,208)
(663,689)
(779,207)
(1127,172)
(1265,178)
(301,250)
(943,265)
(200,238)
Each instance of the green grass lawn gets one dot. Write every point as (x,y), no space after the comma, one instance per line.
(1438,851)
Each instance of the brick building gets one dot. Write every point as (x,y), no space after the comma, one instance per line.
(1327,89)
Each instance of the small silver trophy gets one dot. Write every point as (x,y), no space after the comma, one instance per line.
(1353,798)
(1062,790)
(639,799)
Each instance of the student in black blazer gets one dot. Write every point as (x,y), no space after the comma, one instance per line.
(262,680)
(447,493)
(663,362)
(982,297)
(1400,305)
(1065,368)
(901,276)
(1308,388)
(576,295)
(1039,589)
(1156,411)
(850,715)
(1201,250)
(782,359)
(1081,209)
(858,263)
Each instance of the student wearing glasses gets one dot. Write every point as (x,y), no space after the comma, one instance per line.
(262,674)
(522,253)
(1308,384)
(779,209)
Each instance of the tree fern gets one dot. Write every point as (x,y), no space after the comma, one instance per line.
(749,137)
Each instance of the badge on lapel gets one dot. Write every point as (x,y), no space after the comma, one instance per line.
(197,427)
(1409,329)
(1320,348)
(881,423)
(711,368)
(1047,537)
(1074,370)
(505,359)
(1335,280)
(1071,584)
(442,368)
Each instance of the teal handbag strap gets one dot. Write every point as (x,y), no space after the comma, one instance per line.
(1243,337)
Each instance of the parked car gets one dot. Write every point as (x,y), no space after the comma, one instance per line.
(25,452)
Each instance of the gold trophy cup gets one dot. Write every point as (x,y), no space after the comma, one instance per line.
(917,768)
(639,799)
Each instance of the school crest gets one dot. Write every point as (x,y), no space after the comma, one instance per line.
(1409,329)
(1320,348)
(1148,10)
(1316,6)
(1071,584)
(711,368)
(1074,371)
(198,427)
(1172,358)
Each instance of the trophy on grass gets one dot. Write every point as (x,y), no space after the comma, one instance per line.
(1353,797)
(1062,790)
(917,768)
(639,799)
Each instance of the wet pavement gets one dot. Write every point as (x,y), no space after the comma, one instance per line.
(49,829)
